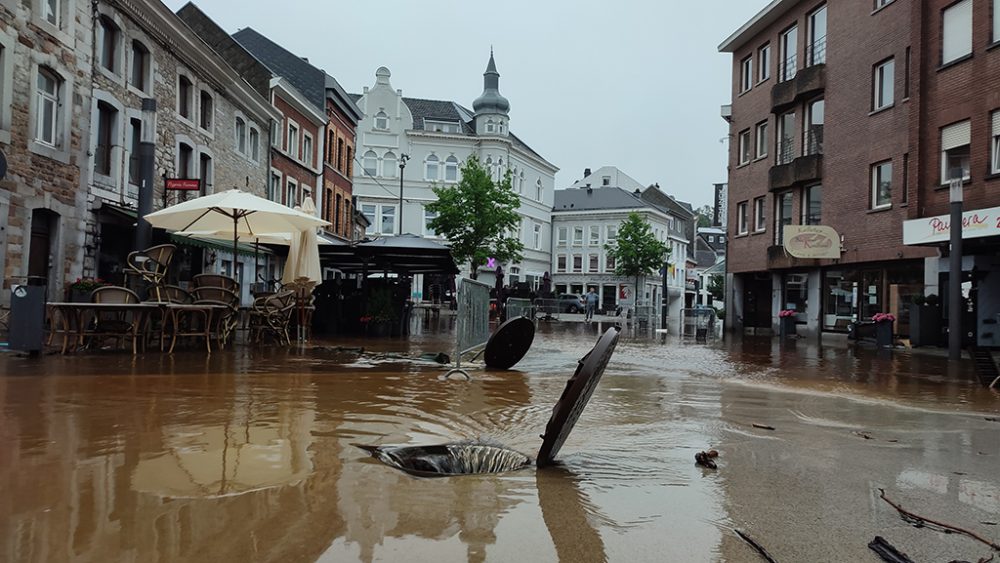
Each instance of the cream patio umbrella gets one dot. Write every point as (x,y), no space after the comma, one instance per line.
(303,253)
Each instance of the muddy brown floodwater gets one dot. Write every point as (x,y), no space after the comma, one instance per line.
(246,456)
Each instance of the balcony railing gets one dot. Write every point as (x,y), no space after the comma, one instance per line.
(787,68)
(814,140)
(786,151)
(816,53)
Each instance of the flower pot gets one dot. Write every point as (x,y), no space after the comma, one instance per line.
(925,325)
(883,334)
(79,295)
(787,326)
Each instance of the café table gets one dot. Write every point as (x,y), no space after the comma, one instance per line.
(74,319)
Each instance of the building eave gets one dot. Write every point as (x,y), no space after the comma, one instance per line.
(756,24)
(295,99)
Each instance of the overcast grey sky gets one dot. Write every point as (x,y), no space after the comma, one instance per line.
(635,83)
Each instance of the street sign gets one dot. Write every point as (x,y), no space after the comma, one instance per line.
(183,184)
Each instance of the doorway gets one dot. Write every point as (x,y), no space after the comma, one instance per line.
(42,249)
(757,302)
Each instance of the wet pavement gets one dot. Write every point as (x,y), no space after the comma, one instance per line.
(247,456)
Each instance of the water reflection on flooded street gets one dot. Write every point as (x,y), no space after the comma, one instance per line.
(247,456)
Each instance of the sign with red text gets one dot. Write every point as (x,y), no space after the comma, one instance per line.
(811,241)
(183,185)
(975,224)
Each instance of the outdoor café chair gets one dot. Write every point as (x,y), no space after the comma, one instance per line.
(151,266)
(117,325)
(226,321)
(271,315)
(216,280)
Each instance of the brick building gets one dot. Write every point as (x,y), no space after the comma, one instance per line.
(826,99)
(45,58)
(341,127)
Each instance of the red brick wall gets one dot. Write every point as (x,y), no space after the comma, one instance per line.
(289,167)
(335,172)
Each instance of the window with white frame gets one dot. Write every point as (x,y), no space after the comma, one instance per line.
(107,128)
(381,120)
(593,263)
(519,231)
(956,33)
(955,151)
(789,61)
(562,235)
(241,135)
(274,188)
(139,74)
(746,74)
(369,163)
(490,126)
(996,21)
(291,193)
(764,62)
(996,143)
(595,235)
(292,144)
(451,169)
(389,165)
(883,84)
(538,189)
(307,149)
(49,107)
(205,110)
(744,146)
(387,220)
(110,43)
(369,210)
(762,140)
(611,234)
(276,134)
(609,263)
(206,172)
(560,262)
(520,185)
(431,168)
(881,192)
(577,236)
(185,97)
(759,215)
(577,263)
(428,217)
(254,144)
(816,50)
(882,3)
(52,11)
(536,236)
(741,218)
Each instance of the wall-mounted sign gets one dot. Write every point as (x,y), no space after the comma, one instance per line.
(975,224)
(811,241)
(183,185)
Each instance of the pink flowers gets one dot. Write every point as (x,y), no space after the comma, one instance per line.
(786,313)
(884,318)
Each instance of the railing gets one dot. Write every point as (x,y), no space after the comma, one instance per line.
(814,140)
(517,307)
(698,323)
(786,151)
(787,68)
(816,53)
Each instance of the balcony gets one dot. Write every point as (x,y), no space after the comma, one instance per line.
(777,259)
(806,83)
(791,171)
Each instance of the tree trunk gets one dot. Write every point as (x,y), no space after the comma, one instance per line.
(635,298)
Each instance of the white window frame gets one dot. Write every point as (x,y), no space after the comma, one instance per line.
(764,62)
(292,131)
(429,215)
(877,175)
(6,82)
(884,84)
(389,164)
(48,136)
(451,169)
(117,36)
(563,267)
(611,234)
(240,134)
(996,140)
(432,162)
(745,148)
(741,218)
(381,116)
(577,236)
(746,74)
(593,263)
(759,216)
(962,132)
(539,190)
(291,192)
(202,93)
(253,144)
(562,237)
(275,181)
(192,113)
(995,37)
(369,158)
(762,142)
(594,235)
(382,216)
(610,264)
(537,235)
(308,143)
(372,227)
(956,31)
(577,269)
(147,71)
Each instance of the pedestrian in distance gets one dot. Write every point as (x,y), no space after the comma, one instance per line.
(591,304)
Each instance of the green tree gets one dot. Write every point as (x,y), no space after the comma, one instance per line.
(704,215)
(476,216)
(636,250)
(717,287)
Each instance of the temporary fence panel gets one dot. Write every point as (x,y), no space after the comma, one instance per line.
(646,316)
(517,307)
(473,319)
(698,323)
(546,307)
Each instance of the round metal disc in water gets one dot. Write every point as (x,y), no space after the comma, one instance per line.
(575,396)
(509,343)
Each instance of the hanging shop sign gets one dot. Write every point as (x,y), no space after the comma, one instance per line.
(975,224)
(183,185)
(811,241)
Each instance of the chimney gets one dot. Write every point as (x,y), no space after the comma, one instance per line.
(590,190)
(586,172)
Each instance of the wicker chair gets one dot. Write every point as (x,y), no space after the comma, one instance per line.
(225,323)
(151,266)
(117,325)
(304,304)
(271,315)
(216,280)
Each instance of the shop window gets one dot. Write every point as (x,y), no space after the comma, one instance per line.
(812,205)
(796,292)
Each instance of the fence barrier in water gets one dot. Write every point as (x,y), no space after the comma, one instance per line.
(473,320)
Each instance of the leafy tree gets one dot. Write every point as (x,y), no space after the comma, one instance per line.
(717,287)
(476,216)
(704,215)
(636,251)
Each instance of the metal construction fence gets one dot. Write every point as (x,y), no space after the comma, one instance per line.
(472,326)
(547,308)
(698,323)
(517,307)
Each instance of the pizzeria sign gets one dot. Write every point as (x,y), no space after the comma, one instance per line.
(977,223)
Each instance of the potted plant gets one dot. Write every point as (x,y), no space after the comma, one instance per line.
(786,322)
(80,290)
(925,320)
(883,329)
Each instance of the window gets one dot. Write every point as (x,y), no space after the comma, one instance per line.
(370,164)
(274,189)
(184,92)
(369,210)
(563,234)
(538,189)
(881,194)
(711,238)
(107,117)
(786,138)
(955,151)
(577,263)
(205,173)
(593,262)
(746,74)
(577,236)
(520,185)
(428,217)
(741,218)
(291,193)
(139,75)
(745,146)
(110,40)
(759,223)
(241,135)
(782,216)
(883,84)
(451,169)
(349,162)
(561,263)
(388,224)
(51,11)
(956,39)
(814,127)
(595,235)
(882,3)
(490,126)
(812,205)
(996,21)
(185,159)
(307,149)
(381,120)
(205,119)
(292,145)
(254,144)
(816,53)
(135,137)
(996,142)
(431,168)
(606,181)
(536,236)
(764,62)
(389,165)
(275,134)
(609,263)
(789,44)
(611,234)
(762,140)
(48,109)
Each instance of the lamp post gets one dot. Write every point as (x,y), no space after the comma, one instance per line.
(147,157)
(664,292)
(955,268)
(402,166)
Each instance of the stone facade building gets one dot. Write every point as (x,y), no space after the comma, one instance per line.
(438,136)
(45,61)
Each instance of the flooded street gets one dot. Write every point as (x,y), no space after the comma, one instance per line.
(248,456)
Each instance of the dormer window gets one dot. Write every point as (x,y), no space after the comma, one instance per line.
(381,120)
(490,126)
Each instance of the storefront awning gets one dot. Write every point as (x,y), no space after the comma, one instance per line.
(244,249)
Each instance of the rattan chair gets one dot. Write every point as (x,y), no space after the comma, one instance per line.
(271,316)
(226,321)
(151,266)
(117,325)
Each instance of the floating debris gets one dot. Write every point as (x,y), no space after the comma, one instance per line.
(763,426)
(887,552)
(706,459)
(449,459)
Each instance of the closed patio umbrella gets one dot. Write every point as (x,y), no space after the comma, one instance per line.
(303,253)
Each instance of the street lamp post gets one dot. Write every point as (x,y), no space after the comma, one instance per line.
(402,166)
(955,268)
(663,301)
(147,158)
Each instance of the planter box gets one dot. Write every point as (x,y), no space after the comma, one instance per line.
(925,325)
(80,295)
(787,326)
(883,334)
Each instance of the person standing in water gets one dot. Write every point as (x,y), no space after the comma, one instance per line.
(591,299)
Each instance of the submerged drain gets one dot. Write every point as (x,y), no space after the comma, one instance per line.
(449,459)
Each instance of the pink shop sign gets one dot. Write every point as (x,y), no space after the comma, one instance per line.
(977,223)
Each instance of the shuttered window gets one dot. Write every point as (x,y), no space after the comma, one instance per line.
(955,151)
(956,135)
(995,145)
(956,39)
